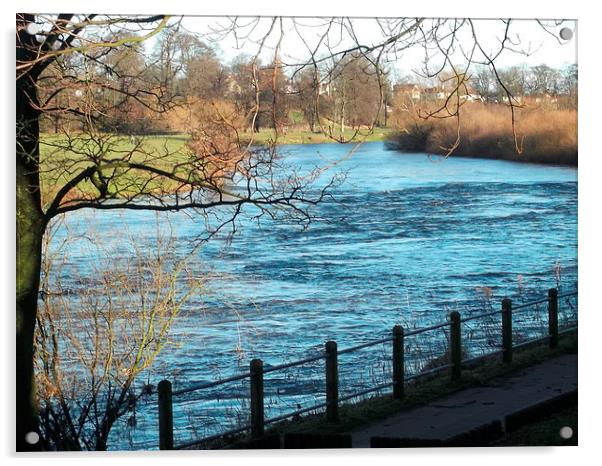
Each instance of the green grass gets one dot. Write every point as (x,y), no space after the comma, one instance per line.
(303,136)
(61,158)
(545,432)
(58,148)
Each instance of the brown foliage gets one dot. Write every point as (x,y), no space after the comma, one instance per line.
(214,129)
(545,136)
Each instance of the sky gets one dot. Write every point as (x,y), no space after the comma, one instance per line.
(529,42)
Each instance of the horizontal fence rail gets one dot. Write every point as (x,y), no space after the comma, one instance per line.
(202,386)
(453,363)
(293,364)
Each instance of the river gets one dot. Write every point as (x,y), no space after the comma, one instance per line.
(406,240)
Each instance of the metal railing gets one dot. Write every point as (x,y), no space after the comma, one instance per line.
(330,356)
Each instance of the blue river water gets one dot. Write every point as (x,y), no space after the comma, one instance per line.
(405,240)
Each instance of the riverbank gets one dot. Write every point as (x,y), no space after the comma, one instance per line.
(489,380)
(62,155)
(356,416)
(542,136)
(302,136)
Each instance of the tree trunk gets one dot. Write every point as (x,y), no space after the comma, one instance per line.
(343,117)
(30,230)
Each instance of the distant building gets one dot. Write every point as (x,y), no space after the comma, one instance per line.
(324,88)
(545,98)
(435,93)
(232,86)
(289,88)
(412,91)
(472,97)
(516,99)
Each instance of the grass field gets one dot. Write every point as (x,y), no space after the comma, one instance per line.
(62,156)
(57,144)
(302,136)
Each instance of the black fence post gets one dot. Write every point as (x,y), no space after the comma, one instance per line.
(165,415)
(455,345)
(257,412)
(398,362)
(507,330)
(332,382)
(553,317)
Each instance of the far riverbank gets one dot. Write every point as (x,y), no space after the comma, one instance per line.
(534,150)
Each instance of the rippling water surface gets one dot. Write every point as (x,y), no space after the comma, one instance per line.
(406,239)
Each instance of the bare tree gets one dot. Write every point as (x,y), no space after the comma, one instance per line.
(483,82)
(544,80)
(307,89)
(90,70)
(569,85)
(92,348)
(97,169)
(357,93)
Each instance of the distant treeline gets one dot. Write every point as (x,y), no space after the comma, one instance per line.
(190,85)
(539,85)
(197,93)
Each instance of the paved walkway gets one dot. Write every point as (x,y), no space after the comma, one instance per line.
(470,408)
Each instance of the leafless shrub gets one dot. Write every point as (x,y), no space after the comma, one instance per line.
(95,343)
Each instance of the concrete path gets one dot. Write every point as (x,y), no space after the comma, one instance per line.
(470,408)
